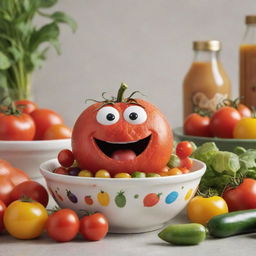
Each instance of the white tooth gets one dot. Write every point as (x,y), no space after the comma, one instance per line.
(120,142)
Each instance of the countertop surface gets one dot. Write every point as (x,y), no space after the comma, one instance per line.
(128,244)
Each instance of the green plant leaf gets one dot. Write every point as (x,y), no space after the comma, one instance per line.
(4,61)
(3,85)
(16,53)
(48,33)
(61,17)
(47,3)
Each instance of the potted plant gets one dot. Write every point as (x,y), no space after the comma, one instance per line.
(23,45)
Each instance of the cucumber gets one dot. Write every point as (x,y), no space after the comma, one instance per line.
(183,234)
(232,223)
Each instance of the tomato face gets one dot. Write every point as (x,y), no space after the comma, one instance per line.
(2,209)
(44,118)
(197,125)
(94,227)
(16,218)
(201,210)
(57,132)
(30,189)
(122,137)
(63,225)
(223,122)
(245,129)
(26,106)
(242,197)
(16,127)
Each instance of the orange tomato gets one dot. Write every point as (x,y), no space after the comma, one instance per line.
(174,171)
(56,132)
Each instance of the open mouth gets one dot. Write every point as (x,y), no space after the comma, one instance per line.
(109,148)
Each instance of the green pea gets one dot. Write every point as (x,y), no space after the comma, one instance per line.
(138,175)
(183,234)
(152,175)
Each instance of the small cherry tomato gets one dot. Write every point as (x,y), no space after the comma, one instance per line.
(63,225)
(73,171)
(31,189)
(2,209)
(44,118)
(152,175)
(138,175)
(174,171)
(25,220)
(85,173)
(186,162)
(197,125)
(223,122)
(122,175)
(184,170)
(66,158)
(184,149)
(57,132)
(244,110)
(61,170)
(102,174)
(26,106)
(94,227)
(201,210)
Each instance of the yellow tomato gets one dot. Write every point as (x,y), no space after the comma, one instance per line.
(25,220)
(245,129)
(201,210)
(85,173)
(123,175)
(102,174)
(103,198)
(174,171)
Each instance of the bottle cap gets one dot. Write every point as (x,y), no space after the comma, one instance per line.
(250,19)
(210,45)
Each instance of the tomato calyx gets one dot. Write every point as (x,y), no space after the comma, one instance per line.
(26,199)
(120,97)
(201,111)
(208,193)
(10,108)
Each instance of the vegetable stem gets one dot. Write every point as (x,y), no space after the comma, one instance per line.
(120,94)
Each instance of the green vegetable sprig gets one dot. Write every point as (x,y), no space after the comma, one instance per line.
(23,45)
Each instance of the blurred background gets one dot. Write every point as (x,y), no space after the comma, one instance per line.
(145,43)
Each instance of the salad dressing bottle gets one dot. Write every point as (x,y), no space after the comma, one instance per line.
(206,84)
(248,64)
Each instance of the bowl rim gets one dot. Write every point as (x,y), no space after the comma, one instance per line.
(157,180)
(178,131)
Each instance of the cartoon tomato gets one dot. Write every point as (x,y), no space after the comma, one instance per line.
(122,134)
(88,200)
(103,198)
(151,199)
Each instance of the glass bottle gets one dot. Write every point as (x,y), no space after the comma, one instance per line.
(248,63)
(206,84)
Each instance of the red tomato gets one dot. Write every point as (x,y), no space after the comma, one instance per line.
(26,106)
(224,121)
(244,110)
(242,197)
(2,209)
(184,170)
(16,127)
(94,227)
(66,157)
(57,132)
(63,225)
(184,149)
(186,163)
(197,125)
(44,118)
(31,189)
(88,200)
(151,199)
(61,170)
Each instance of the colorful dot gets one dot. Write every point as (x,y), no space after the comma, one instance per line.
(188,195)
(136,196)
(171,197)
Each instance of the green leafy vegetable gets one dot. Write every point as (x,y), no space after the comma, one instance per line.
(21,42)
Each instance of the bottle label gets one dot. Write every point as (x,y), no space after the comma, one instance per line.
(201,101)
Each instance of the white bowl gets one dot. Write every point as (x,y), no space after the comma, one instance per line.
(123,201)
(28,155)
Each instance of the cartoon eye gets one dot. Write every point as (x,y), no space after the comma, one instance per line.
(135,115)
(107,116)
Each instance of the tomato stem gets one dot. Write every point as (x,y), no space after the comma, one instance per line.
(120,94)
